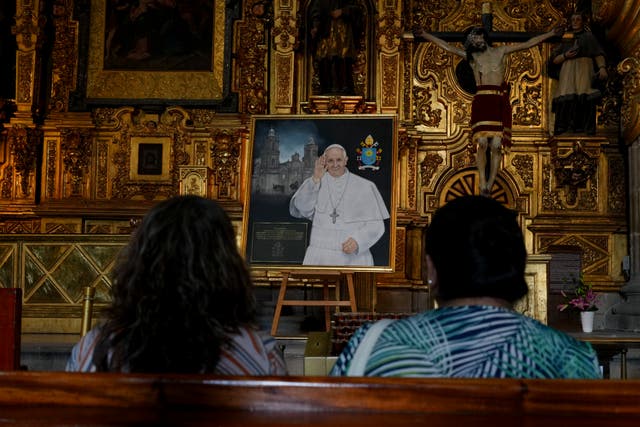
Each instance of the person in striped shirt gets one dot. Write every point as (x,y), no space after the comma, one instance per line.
(182,301)
(476,259)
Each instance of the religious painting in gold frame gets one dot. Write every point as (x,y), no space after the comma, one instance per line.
(150,158)
(131,58)
(282,156)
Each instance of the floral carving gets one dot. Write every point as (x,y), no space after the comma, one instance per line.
(23,144)
(524,167)
(429,166)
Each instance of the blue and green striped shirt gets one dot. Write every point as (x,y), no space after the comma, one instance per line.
(473,342)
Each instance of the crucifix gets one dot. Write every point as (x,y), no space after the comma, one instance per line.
(333,216)
(491,107)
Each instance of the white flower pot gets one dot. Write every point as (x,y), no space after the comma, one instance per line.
(586,317)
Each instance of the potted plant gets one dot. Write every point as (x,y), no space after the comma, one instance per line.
(582,299)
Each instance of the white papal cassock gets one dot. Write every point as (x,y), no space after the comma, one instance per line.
(343,207)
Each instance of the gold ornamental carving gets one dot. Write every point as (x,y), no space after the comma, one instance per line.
(285,32)
(23,143)
(6,182)
(63,56)
(251,56)
(136,129)
(76,156)
(630,111)
(390,79)
(523,164)
(284,79)
(102,167)
(20,226)
(225,157)
(389,29)
(388,43)
(24,83)
(29,32)
(202,118)
(428,167)
(408,150)
(575,172)
(285,39)
(52,164)
(401,249)
(616,200)
(28,25)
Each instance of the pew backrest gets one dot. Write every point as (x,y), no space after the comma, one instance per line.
(118,399)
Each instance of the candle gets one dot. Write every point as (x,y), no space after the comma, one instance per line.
(486,8)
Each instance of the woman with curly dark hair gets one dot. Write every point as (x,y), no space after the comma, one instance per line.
(182,301)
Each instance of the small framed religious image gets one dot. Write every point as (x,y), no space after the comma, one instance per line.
(150,158)
(321,193)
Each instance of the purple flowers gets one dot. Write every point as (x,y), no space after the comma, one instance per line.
(582,298)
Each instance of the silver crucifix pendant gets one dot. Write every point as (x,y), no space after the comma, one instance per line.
(333,216)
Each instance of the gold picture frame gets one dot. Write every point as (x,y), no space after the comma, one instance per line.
(150,159)
(282,153)
(194,86)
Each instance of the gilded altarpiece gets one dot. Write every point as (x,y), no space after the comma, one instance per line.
(73,186)
(567,190)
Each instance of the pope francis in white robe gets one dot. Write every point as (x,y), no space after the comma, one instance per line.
(346,210)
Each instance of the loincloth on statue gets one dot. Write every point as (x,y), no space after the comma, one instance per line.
(491,114)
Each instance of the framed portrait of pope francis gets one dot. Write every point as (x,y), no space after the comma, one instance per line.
(321,193)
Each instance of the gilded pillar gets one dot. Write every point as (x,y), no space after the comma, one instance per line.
(388,53)
(285,38)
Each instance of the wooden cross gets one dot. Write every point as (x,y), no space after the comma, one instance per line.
(487,24)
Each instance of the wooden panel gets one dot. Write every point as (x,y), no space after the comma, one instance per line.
(10,328)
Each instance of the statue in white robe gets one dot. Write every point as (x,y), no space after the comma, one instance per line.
(346,210)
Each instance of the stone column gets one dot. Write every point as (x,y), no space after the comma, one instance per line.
(626,314)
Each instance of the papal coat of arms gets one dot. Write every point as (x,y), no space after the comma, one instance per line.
(369,154)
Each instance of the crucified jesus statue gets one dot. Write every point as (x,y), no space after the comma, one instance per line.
(491,107)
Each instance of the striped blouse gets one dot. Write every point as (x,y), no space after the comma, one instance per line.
(250,352)
(472,342)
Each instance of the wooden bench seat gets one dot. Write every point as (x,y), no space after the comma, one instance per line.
(58,398)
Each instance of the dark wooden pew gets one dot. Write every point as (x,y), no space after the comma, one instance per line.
(58,398)
(10,328)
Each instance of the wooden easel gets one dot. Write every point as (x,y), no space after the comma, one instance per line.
(326,278)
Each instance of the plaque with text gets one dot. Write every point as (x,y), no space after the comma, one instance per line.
(278,242)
